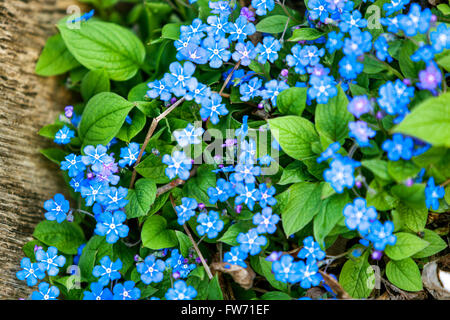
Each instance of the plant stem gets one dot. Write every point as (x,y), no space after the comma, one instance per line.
(229,77)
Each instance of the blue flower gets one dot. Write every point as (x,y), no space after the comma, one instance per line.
(322,88)
(334,41)
(381,46)
(340,174)
(294,60)
(350,21)
(217,26)
(246,173)
(262,6)
(235,257)
(186,210)
(159,88)
(392,24)
(424,53)
(268,50)
(218,52)
(432,194)
(240,29)
(285,269)
(94,191)
(330,152)
(381,235)
(272,89)
(311,250)
(267,194)
(111,225)
(359,43)
(415,21)
(74,164)
(213,108)
(126,291)
(394,6)
(242,132)
(251,242)
(350,68)
(220,7)
(50,261)
(30,272)
(178,165)
(221,192)
(176,262)
(56,208)
(129,155)
(181,291)
(244,52)
(247,152)
(359,105)
(151,270)
(398,147)
(195,30)
(395,97)
(76,258)
(193,53)
(98,292)
(309,274)
(197,91)
(358,216)
(361,132)
(189,135)
(310,55)
(107,270)
(76,182)
(45,292)
(180,77)
(116,198)
(95,157)
(250,89)
(247,194)
(440,39)
(209,224)
(317,10)
(64,135)
(266,221)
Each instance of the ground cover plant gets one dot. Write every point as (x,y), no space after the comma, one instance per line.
(246,150)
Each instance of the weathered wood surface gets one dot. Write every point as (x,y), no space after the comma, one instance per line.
(27,102)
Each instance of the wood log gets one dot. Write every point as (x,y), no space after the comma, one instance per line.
(27,102)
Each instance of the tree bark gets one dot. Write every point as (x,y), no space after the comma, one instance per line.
(27,102)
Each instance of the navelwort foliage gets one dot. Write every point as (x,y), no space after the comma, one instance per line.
(271,146)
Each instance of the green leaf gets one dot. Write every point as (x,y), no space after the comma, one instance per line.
(266,269)
(141,198)
(55,59)
(94,82)
(414,218)
(356,276)
(444,8)
(129,131)
(332,118)
(66,236)
(294,172)
(214,290)
(407,244)
(443,59)
(197,186)
(104,45)
(155,234)
(402,170)
(229,237)
(295,135)
(50,130)
(429,121)
(404,274)
(152,167)
(102,118)
(436,244)
(275,295)
(272,24)
(305,34)
(378,197)
(95,249)
(171,31)
(378,167)
(409,68)
(413,196)
(303,204)
(54,154)
(329,215)
(101,3)
(292,101)
(372,65)
(185,243)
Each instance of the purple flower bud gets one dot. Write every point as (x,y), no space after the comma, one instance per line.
(176,275)
(274,256)
(68,111)
(409,182)
(260,106)
(284,72)
(90,175)
(380,115)
(238,208)
(407,81)
(36,248)
(246,12)
(433,18)
(70,217)
(136,258)
(173,100)
(358,184)
(376,255)
(198,260)
(201,206)
(186,260)
(221,166)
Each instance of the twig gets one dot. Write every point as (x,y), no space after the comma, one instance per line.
(173,184)
(445,183)
(150,132)
(194,244)
(229,77)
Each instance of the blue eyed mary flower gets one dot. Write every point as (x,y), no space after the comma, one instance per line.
(46,292)
(285,269)
(322,88)
(399,147)
(94,191)
(213,108)
(240,29)
(209,224)
(217,26)
(178,165)
(221,192)
(73,164)
(197,91)
(235,257)
(151,270)
(189,135)
(432,194)
(309,274)
(30,272)
(359,216)
(244,52)
(360,131)
(181,291)
(64,135)
(111,225)
(180,77)
(381,235)
(311,250)
(359,105)
(263,6)
(440,39)
(115,198)
(329,152)
(251,242)
(186,210)
(129,155)
(159,88)
(266,221)
(272,89)
(50,261)
(293,59)
(57,208)
(268,50)
(251,89)
(218,52)
(126,291)
(98,292)
(248,194)
(95,157)
(107,270)
(195,30)
(340,174)
(267,194)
